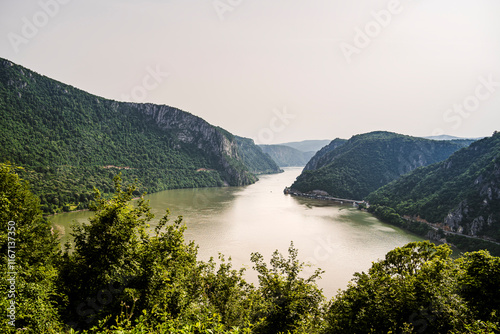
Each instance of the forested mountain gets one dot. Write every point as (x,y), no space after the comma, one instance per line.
(462,193)
(286,156)
(254,158)
(366,162)
(69,141)
(307,145)
(324,155)
(452,138)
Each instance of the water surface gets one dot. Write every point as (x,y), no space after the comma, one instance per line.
(237,221)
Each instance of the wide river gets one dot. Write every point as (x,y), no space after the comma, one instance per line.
(237,221)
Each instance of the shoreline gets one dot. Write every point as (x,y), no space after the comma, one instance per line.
(321,195)
(81,210)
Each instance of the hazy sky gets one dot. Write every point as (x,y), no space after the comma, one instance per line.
(276,70)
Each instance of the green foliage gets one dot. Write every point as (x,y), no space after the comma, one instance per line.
(114,256)
(121,276)
(107,252)
(366,162)
(325,155)
(34,250)
(469,181)
(390,216)
(69,141)
(254,158)
(229,294)
(291,302)
(416,288)
(480,284)
(467,244)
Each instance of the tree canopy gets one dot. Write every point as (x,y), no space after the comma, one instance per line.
(123,276)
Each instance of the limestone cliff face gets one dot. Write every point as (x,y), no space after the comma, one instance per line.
(190,129)
(461,193)
(354,168)
(484,213)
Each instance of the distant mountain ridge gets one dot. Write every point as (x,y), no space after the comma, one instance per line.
(324,155)
(461,193)
(68,140)
(307,145)
(255,158)
(354,168)
(447,137)
(286,156)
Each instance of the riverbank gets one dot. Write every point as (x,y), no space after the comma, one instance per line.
(321,195)
(433,232)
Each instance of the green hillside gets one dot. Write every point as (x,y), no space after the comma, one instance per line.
(69,141)
(366,162)
(325,155)
(254,158)
(286,156)
(462,193)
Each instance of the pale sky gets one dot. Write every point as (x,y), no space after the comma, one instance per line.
(276,70)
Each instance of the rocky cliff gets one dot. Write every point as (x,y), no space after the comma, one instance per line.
(366,162)
(221,146)
(68,141)
(460,194)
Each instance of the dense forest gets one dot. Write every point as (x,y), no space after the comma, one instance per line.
(286,156)
(123,276)
(256,159)
(462,193)
(324,155)
(69,141)
(364,163)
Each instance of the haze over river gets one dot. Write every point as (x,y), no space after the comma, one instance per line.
(237,221)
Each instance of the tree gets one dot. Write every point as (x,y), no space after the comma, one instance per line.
(31,250)
(290,301)
(229,294)
(414,288)
(480,284)
(106,255)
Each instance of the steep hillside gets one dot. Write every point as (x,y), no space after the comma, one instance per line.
(366,162)
(326,154)
(69,141)
(462,193)
(254,158)
(286,156)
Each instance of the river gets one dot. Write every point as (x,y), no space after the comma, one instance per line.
(237,221)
